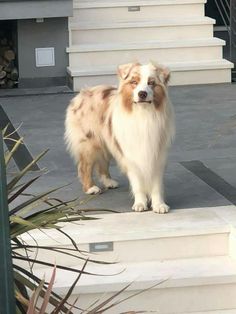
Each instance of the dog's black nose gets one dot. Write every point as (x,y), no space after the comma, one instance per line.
(142,94)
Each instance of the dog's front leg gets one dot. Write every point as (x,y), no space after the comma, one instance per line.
(157,196)
(140,198)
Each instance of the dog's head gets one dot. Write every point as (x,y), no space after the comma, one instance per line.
(143,84)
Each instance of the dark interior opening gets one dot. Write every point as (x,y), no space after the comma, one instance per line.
(8,54)
(220,11)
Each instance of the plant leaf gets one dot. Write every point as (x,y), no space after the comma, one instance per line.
(38,291)
(31,306)
(62,250)
(101,305)
(70,238)
(129,297)
(63,301)
(4,131)
(24,206)
(22,189)
(21,221)
(53,300)
(48,292)
(9,155)
(58,266)
(72,306)
(17,178)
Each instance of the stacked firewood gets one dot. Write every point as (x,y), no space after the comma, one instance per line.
(8,69)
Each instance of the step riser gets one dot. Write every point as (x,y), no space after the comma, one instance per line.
(177,78)
(202,77)
(165,55)
(150,250)
(127,35)
(171,300)
(145,13)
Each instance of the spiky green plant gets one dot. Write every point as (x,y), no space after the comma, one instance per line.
(23,218)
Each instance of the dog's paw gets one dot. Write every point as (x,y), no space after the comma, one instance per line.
(93,190)
(139,207)
(160,208)
(110,183)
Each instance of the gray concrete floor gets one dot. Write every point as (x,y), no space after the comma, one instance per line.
(204,116)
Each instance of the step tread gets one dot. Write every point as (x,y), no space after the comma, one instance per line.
(169,273)
(130,227)
(80,4)
(140,24)
(201,42)
(177,66)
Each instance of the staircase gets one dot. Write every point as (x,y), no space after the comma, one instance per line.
(106,33)
(190,252)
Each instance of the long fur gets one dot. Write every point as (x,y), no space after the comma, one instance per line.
(104,121)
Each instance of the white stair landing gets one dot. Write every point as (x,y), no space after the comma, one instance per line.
(190,252)
(196,233)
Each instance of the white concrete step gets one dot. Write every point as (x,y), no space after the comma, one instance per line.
(125,32)
(131,237)
(84,56)
(136,10)
(183,73)
(199,284)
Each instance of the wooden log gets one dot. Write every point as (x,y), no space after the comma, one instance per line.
(9,55)
(9,66)
(14,74)
(3,83)
(2,74)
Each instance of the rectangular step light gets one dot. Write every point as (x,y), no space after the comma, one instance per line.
(101,247)
(134,8)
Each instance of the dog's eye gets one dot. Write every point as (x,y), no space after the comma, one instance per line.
(151,83)
(134,82)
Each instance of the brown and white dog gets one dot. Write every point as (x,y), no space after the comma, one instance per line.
(133,123)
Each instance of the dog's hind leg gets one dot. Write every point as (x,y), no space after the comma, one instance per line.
(85,172)
(102,168)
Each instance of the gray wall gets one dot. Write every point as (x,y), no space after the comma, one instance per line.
(53,32)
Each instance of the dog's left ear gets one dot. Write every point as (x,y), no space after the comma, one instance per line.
(162,72)
(125,69)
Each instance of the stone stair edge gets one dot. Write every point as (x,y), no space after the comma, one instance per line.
(200,42)
(171,274)
(122,3)
(127,24)
(168,226)
(178,66)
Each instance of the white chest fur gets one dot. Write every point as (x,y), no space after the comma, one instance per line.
(140,135)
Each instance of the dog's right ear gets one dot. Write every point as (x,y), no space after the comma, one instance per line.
(125,69)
